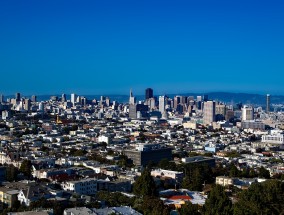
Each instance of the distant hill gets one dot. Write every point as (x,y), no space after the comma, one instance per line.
(245,98)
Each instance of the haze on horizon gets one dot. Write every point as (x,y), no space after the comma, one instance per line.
(108,47)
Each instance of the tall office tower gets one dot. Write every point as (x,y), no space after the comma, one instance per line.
(41,107)
(79,99)
(180,108)
(199,98)
(151,103)
(183,100)
(199,102)
(209,112)
(132,111)
(83,101)
(267,103)
(162,104)
(190,98)
(73,98)
(27,105)
(107,100)
(63,97)
(229,115)
(132,99)
(54,98)
(34,98)
(177,101)
(148,93)
(18,97)
(247,113)
(102,98)
(1,98)
(205,98)
(220,112)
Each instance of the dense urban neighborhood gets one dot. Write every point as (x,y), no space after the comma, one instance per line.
(160,155)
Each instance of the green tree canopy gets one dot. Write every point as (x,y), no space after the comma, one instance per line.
(189,208)
(26,168)
(218,203)
(144,185)
(11,173)
(153,206)
(261,198)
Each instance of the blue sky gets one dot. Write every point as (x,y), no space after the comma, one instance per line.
(107,47)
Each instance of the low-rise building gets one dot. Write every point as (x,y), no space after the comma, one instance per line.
(225,181)
(85,186)
(146,153)
(8,197)
(178,176)
(199,160)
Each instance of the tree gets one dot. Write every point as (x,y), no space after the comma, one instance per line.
(261,198)
(189,208)
(114,199)
(196,175)
(186,183)
(153,206)
(26,168)
(218,203)
(11,173)
(166,164)
(144,185)
(263,173)
(233,171)
(80,152)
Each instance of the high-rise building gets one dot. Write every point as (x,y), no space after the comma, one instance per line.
(220,112)
(148,93)
(132,99)
(267,103)
(1,98)
(247,113)
(205,98)
(18,97)
(27,105)
(54,98)
(162,104)
(132,111)
(63,97)
(209,112)
(107,101)
(199,98)
(73,98)
(199,102)
(177,100)
(41,107)
(83,101)
(34,98)
(151,103)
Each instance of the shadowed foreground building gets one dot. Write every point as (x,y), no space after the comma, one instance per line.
(145,153)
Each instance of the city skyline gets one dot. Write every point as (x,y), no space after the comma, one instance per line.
(100,47)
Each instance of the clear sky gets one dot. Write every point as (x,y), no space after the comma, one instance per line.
(108,47)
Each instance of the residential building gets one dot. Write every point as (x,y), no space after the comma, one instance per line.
(8,197)
(225,181)
(85,186)
(163,173)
